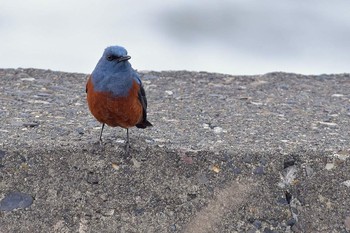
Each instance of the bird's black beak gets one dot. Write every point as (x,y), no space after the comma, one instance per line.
(125,58)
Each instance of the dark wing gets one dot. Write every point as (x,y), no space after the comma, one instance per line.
(142,97)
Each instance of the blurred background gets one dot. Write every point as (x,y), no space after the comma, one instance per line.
(234,37)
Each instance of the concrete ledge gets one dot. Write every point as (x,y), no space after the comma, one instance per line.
(267,153)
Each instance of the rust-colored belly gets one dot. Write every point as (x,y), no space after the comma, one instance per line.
(125,112)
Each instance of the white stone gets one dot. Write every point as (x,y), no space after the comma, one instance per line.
(218,129)
(28,79)
(337,95)
(329,166)
(346,183)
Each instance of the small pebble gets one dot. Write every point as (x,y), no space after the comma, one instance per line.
(136,163)
(309,170)
(115,166)
(107,212)
(92,178)
(291,222)
(288,162)
(282,201)
(149,141)
(15,200)
(173,227)
(237,170)
(31,124)
(120,141)
(187,159)
(2,154)
(258,171)
(257,224)
(337,95)
(218,130)
(42,94)
(251,230)
(202,179)
(256,103)
(233,168)
(329,166)
(263,161)
(80,131)
(268,230)
(327,123)
(346,183)
(248,159)
(347,223)
(343,156)
(139,211)
(28,79)
(284,86)
(215,168)
(191,196)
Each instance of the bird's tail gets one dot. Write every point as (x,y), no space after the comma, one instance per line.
(144,124)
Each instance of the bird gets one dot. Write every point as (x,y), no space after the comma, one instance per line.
(115,93)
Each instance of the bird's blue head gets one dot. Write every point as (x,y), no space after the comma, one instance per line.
(115,56)
(113,71)
(114,60)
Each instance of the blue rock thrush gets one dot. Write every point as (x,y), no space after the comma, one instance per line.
(115,94)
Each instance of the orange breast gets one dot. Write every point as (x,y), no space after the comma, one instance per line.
(125,112)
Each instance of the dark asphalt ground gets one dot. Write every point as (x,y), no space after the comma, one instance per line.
(267,153)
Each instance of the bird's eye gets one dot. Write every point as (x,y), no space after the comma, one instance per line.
(110,57)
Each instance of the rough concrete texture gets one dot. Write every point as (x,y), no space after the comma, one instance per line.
(267,153)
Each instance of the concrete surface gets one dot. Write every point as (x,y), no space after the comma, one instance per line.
(266,153)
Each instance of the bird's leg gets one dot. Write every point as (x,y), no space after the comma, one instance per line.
(127,141)
(103,125)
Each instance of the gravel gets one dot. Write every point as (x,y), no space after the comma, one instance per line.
(265,153)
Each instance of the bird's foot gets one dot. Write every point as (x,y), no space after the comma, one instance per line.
(98,143)
(127,152)
(97,146)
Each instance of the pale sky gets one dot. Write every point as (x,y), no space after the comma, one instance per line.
(234,37)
